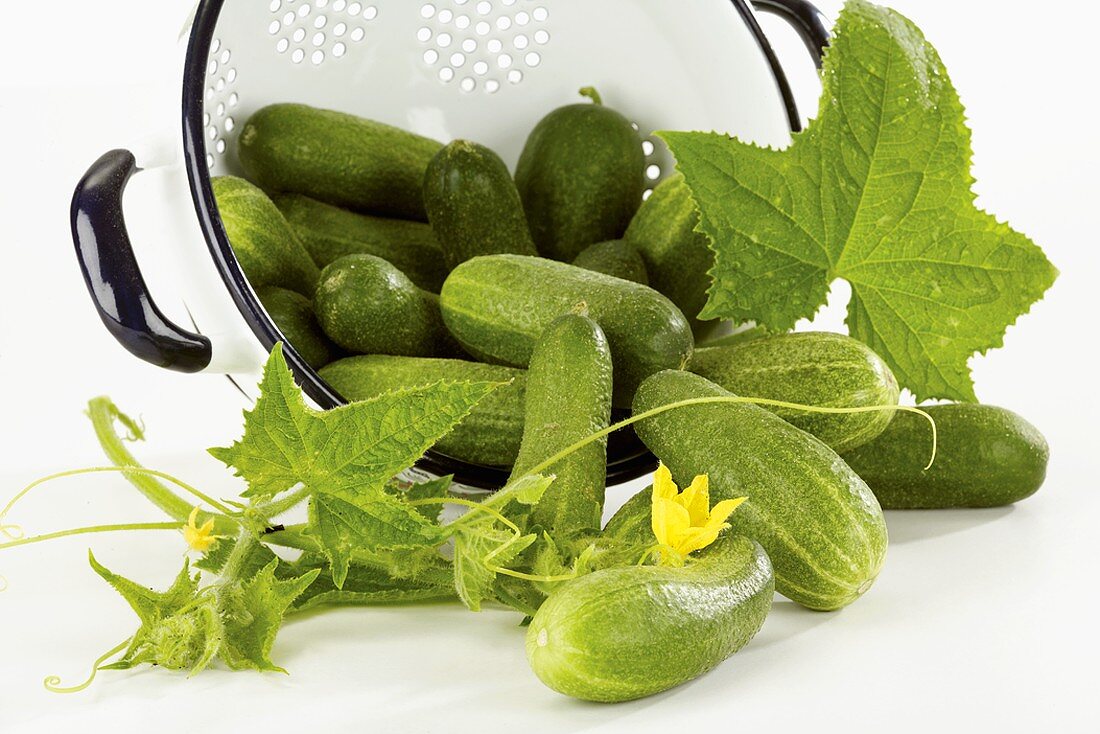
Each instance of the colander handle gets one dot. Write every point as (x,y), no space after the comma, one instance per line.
(805,18)
(112,274)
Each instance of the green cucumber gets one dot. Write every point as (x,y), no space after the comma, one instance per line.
(581,177)
(473,205)
(497,306)
(265,245)
(809,368)
(986,457)
(293,314)
(614,257)
(619,634)
(677,258)
(329,232)
(568,399)
(337,158)
(818,521)
(368,306)
(490,434)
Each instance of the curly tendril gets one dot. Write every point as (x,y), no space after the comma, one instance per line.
(53,682)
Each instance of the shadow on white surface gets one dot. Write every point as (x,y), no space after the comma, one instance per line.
(912,526)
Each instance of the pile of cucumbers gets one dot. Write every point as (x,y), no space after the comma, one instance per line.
(390,261)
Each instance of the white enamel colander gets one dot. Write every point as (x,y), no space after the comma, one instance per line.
(485,70)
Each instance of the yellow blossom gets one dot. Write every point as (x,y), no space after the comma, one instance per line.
(684,521)
(199,538)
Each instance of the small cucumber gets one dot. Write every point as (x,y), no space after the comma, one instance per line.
(473,205)
(619,634)
(986,457)
(819,522)
(581,177)
(614,257)
(337,158)
(810,368)
(677,258)
(568,399)
(368,306)
(293,314)
(497,306)
(489,435)
(329,232)
(265,245)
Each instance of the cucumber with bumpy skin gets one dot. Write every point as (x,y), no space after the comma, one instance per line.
(568,399)
(819,522)
(293,314)
(368,306)
(265,245)
(581,177)
(616,258)
(330,232)
(497,306)
(619,634)
(810,368)
(490,434)
(473,205)
(337,158)
(986,457)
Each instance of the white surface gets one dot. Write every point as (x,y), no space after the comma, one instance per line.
(982,620)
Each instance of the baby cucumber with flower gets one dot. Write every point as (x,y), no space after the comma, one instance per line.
(810,368)
(987,457)
(819,522)
(619,634)
(568,399)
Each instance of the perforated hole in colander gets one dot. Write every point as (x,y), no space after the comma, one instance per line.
(221,98)
(318,30)
(483,44)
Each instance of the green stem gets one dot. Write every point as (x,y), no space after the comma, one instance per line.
(92,529)
(53,682)
(278,507)
(736,399)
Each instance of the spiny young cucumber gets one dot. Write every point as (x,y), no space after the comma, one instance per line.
(568,399)
(265,245)
(819,522)
(986,457)
(809,368)
(330,232)
(490,434)
(473,204)
(337,158)
(581,177)
(368,306)
(293,314)
(497,306)
(616,258)
(619,634)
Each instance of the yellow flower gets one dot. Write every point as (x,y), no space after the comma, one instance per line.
(199,538)
(684,521)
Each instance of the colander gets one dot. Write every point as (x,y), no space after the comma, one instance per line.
(486,70)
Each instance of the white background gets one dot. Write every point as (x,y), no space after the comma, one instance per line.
(982,620)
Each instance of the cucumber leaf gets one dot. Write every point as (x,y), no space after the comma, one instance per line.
(878,191)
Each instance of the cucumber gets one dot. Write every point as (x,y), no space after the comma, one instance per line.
(986,457)
(677,258)
(819,522)
(473,205)
(581,177)
(810,368)
(265,245)
(337,158)
(614,257)
(490,434)
(498,305)
(568,399)
(329,232)
(368,306)
(293,314)
(619,634)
